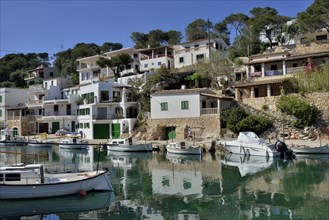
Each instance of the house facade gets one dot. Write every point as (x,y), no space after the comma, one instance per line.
(187,54)
(12,105)
(173,111)
(267,73)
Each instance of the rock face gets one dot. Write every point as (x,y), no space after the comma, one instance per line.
(282,123)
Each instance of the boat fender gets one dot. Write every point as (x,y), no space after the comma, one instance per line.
(82,193)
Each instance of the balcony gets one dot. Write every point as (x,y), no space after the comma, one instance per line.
(209,111)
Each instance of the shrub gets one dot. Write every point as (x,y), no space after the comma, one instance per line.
(265,107)
(237,120)
(255,123)
(292,105)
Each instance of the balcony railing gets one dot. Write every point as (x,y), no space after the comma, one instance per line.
(35,102)
(107,116)
(294,69)
(256,74)
(59,113)
(273,72)
(209,111)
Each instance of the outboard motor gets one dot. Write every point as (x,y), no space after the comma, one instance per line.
(286,153)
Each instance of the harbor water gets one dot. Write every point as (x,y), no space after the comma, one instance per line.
(162,186)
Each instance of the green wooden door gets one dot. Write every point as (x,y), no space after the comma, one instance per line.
(101,131)
(54,126)
(170,133)
(116,130)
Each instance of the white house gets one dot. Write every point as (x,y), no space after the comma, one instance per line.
(41,73)
(154,58)
(187,54)
(173,111)
(107,110)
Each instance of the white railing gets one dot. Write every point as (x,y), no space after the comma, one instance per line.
(209,111)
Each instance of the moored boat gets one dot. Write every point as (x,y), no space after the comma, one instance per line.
(183,147)
(311,150)
(128,145)
(40,143)
(9,138)
(248,143)
(31,181)
(73,143)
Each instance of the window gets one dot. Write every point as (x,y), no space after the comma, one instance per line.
(13,177)
(80,125)
(181,60)
(51,74)
(0,98)
(184,105)
(0,113)
(274,67)
(159,63)
(294,65)
(146,65)
(164,106)
(86,125)
(55,108)
(321,37)
(199,56)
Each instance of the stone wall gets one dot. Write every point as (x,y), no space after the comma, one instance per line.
(24,127)
(204,127)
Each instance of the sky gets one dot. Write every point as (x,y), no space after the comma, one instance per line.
(54,25)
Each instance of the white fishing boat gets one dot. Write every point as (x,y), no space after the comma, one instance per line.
(183,147)
(73,143)
(31,181)
(249,164)
(248,143)
(310,150)
(9,138)
(128,145)
(40,143)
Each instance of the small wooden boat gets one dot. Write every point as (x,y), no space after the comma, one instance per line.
(127,145)
(182,147)
(40,143)
(31,181)
(73,143)
(311,150)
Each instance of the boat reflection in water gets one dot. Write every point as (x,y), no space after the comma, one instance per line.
(38,208)
(181,158)
(249,164)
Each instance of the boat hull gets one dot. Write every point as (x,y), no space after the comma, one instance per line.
(73,146)
(248,149)
(131,148)
(101,181)
(311,150)
(185,151)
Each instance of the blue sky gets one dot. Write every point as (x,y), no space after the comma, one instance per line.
(51,26)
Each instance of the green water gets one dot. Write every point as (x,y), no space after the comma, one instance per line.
(160,186)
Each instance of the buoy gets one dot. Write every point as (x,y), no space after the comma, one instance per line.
(82,193)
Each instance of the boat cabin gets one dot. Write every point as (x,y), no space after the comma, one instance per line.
(180,145)
(118,142)
(22,175)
